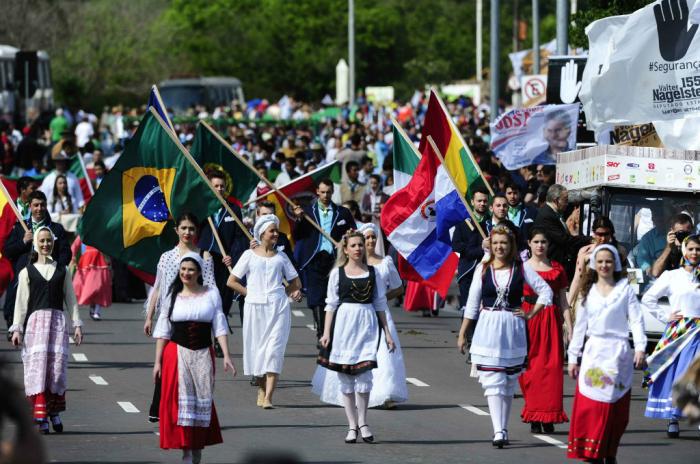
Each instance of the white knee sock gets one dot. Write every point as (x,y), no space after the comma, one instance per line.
(505,410)
(350,409)
(495,406)
(362,400)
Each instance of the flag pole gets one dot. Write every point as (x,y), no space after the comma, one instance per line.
(14,207)
(85,173)
(461,195)
(192,161)
(279,190)
(266,181)
(162,105)
(215,233)
(459,134)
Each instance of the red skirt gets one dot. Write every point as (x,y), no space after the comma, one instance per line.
(597,427)
(173,436)
(418,297)
(543,381)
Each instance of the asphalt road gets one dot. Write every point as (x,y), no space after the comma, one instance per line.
(446,419)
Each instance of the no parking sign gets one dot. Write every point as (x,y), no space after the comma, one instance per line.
(534,89)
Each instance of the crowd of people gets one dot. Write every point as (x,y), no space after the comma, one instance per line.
(531,285)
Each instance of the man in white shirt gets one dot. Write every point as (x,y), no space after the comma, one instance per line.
(84,132)
(60,154)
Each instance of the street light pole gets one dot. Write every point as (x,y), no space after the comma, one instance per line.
(562,27)
(479,40)
(536,35)
(351,51)
(495,63)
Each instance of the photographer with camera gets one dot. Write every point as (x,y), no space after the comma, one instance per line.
(670,257)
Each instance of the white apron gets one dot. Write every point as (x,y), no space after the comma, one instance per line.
(607,369)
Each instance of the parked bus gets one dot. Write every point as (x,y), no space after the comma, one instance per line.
(181,94)
(12,106)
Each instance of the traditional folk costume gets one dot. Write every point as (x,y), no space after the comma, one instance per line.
(389,378)
(187,414)
(43,290)
(602,401)
(680,343)
(352,351)
(268,320)
(499,346)
(166,273)
(542,383)
(93,277)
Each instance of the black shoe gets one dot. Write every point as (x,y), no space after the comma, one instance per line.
(368,438)
(349,437)
(505,437)
(426,312)
(535,427)
(548,427)
(435,312)
(43,426)
(498,442)
(56,423)
(673,430)
(153,419)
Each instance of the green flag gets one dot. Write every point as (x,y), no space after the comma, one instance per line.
(131,215)
(405,158)
(211,153)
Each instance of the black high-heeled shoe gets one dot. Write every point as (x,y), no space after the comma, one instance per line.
(498,441)
(348,437)
(367,439)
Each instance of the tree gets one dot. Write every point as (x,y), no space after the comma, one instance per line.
(592,10)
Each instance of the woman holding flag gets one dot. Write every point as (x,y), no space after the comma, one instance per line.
(499,345)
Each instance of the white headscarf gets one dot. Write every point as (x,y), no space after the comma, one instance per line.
(611,249)
(195,257)
(263,222)
(368,227)
(35,240)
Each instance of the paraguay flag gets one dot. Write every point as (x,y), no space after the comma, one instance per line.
(417,220)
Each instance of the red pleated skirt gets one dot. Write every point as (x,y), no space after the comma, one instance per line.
(596,427)
(542,383)
(173,436)
(418,297)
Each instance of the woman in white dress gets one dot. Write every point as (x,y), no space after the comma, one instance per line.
(389,378)
(185,361)
(268,320)
(355,312)
(43,290)
(609,310)
(499,344)
(186,229)
(680,344)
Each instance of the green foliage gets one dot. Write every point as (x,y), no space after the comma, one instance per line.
(592,10)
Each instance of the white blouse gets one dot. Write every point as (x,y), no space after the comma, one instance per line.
(609,316)
(264,275)
(333,299)
(681,288)
(533,279)
(203,307)
(167,272)
(389,273)
(46,270)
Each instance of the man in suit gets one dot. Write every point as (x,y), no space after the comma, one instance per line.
(315,253)
(19,245)
(563,247)
(232,238)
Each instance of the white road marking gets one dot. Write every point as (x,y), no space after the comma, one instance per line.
(416,382)
(298,312)
(98,380)
(551,441)
(127,406)
(71,340)
(311,326)
(474,409)
(80,357)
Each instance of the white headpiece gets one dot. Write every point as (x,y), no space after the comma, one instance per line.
(193,256)
(35,240)
(368,227)
(263,222)
(611,249)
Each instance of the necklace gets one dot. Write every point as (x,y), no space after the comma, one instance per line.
(501,292)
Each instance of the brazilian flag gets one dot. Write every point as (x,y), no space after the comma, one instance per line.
(210,153)
(131,215)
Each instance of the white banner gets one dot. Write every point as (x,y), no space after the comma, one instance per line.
(652,72)
(534,135)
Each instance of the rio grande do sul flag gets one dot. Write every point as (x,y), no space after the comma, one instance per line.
(77,167)
(131,215)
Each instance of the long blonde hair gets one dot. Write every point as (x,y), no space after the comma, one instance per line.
(342,258)
(513,252)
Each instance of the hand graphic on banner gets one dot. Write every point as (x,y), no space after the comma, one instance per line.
(672,27)
(570,85)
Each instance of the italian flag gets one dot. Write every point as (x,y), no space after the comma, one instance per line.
(77,167)
(301,191)
(406,158)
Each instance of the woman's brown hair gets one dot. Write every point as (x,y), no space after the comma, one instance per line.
(591,276)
